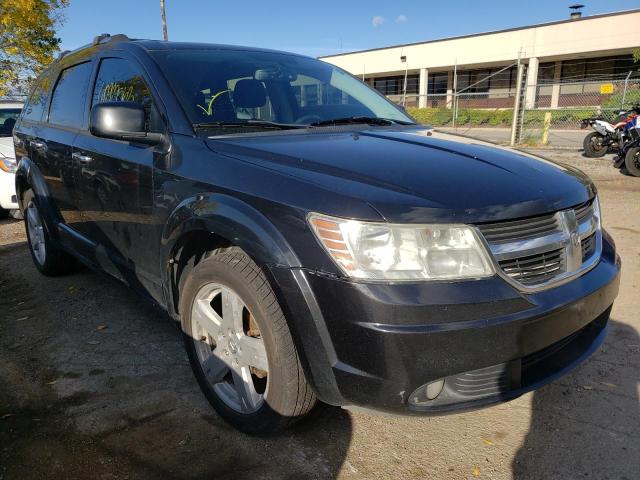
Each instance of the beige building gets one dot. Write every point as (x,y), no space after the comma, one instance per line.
(561,59)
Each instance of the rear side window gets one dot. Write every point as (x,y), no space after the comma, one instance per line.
(119,80)
(70,95)
(37,104)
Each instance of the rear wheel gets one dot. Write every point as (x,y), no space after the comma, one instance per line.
(239,345)
(632,161)
(48,257)
(593,146)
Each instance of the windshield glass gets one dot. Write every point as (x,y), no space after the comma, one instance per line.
(8,117)
(235,86)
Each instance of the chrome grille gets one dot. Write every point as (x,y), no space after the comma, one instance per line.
(538,252)
(588,247)
(519,229)
(534,269)
(583,211)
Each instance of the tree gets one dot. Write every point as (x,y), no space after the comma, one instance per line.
(28,40)
(165,35)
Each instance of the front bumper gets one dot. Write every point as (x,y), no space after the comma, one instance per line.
(372,345)
(8,199)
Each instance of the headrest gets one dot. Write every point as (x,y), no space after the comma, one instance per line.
(249,93)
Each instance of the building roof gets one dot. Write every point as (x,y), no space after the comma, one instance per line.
(491,32)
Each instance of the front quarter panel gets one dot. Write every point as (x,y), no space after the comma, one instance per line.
(232,220)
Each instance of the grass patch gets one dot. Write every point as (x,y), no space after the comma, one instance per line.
(470,117)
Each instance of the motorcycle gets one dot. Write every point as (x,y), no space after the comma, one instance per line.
(628,158)
(607,137)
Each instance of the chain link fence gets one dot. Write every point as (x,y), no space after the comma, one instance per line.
(548,114)
(552,113)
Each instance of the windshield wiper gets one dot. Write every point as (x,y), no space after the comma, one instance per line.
(249,123)
(359,119)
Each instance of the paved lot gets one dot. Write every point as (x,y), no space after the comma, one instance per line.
(95,384)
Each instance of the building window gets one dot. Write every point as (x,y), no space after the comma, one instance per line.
(478,81)
(395,85)
(546,72)
(598,69)
(438,83)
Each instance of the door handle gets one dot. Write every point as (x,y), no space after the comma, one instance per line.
(81,158)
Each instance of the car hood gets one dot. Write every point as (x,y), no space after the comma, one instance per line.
(417,175)
(6,147)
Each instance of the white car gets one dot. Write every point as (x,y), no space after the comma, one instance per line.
(9,111)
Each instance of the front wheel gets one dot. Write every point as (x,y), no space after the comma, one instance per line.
(632,161)
(593,146)
(239,345)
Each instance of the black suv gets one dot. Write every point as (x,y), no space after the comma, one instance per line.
(310,238)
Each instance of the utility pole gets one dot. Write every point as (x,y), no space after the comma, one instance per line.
(515,134)
(454,100)
(165,35)
(403,59)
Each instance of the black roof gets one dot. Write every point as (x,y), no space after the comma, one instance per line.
(109,41)
(162,45)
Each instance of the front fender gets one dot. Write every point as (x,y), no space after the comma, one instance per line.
(232,219)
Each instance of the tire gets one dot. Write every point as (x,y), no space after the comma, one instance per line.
(47,256)
(246,315)
(593,147)
(4,213)
(17,214)
(632,161)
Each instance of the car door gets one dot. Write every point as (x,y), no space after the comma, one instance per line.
(53,147)
(115,181)
(29,128)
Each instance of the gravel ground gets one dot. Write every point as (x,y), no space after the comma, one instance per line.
(94,383)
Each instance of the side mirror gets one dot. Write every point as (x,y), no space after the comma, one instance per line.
(122,121)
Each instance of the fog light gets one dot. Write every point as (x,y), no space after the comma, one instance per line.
(426,393)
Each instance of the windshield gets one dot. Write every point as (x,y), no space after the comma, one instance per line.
(8,117)
(255,89)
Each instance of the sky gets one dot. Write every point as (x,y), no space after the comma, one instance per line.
(313,28)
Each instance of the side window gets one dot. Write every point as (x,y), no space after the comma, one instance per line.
(37,103)
(70,95)
(120,81)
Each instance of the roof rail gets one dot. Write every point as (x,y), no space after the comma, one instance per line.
(105,37)
(102,38)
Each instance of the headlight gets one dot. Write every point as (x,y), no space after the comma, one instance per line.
(8,164)
(383,251)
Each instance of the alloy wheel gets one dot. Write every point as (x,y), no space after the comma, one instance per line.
(230,348)
(36,233)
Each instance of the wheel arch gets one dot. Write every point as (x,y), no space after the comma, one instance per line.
(29,177)
(205,222)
